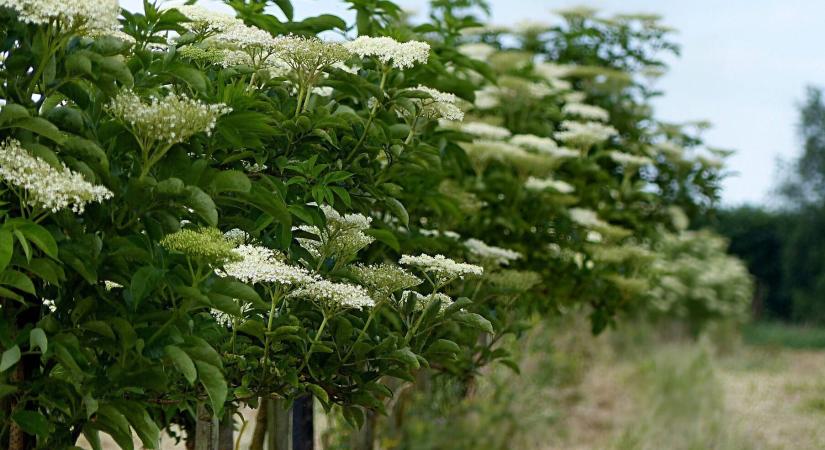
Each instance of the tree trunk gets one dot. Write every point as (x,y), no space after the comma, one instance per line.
(364,438)
(226,432)
(259,435)
(280,429)
(303,432)
(206,429)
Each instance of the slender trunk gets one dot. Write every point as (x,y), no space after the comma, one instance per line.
(364,439)
(226,432)
(259,434)
(206,429)
(303,433)
(18,440)
(282,425)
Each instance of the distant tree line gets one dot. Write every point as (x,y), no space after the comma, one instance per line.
(784,247)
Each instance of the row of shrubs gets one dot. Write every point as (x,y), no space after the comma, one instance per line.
(202,211)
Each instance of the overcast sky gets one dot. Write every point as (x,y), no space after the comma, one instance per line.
(744,66)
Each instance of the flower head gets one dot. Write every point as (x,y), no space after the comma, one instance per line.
(442,268)
(342,295)
(256,264)
(587,112)
(207,22)
(207,243)
(86,16)
(584,134)
(46,186)
(384,279)
(342,237)
(542,184)
(484,130)
(401,55)
(626,159)
(440,105)
(485,252)
(171,119)
(422,302)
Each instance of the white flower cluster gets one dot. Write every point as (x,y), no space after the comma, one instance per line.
(553,71)
(258,264)
(401,55)
(337,294)
(384,279)
(533,142)
(626,159)
(443,268)
(88,16)
(514,280)
(307,56)
(46,186)
(342,238)
(485,252)
(584,111)
(485,130)
(207,22)
(541,184)
(487,97)
(587,218)
(479,50)
(225,319)
(171,119)
(441,106)
(584,134)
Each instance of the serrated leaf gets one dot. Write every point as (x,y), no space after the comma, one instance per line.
(182,362)
(213,381)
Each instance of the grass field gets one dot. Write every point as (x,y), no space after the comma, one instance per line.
(629,391)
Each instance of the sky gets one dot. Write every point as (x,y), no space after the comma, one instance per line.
(744,67)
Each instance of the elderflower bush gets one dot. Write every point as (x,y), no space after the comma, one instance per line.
(222,210)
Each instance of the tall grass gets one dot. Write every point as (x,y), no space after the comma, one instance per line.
(783,335)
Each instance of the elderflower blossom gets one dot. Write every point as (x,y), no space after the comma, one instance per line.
(437,233)
(629,160)
(442,268)
(205,21)
(440,106)
(478,50)
(87,16)
(256,264)
(542,184)
(485,130)
(336,294)
(50,304)
(482,151)
(401,55)
(109,285)
(46,186)
(384,279)
(533,142)
(587,218)
(485,252)
(342,237)
(514,280)
(584,111)
(308,56)
(584,134)
(487,97)
(206,243)
(247,38)
(171,119)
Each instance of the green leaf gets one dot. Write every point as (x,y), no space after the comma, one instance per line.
(40,126)
(9,358)
(474,321)
(318,392)
(40,237)
(286,7)
(182,362)
(202,204)
(32,422)
(6,248)
(7,389)
(17,280)
(143,282)
(37,338)
(406,356)
(116,425)
(213,381)
(398,209)
(385,236)
(231,181)
(146,428)
(236,289)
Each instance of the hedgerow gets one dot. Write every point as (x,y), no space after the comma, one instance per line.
(202,212)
